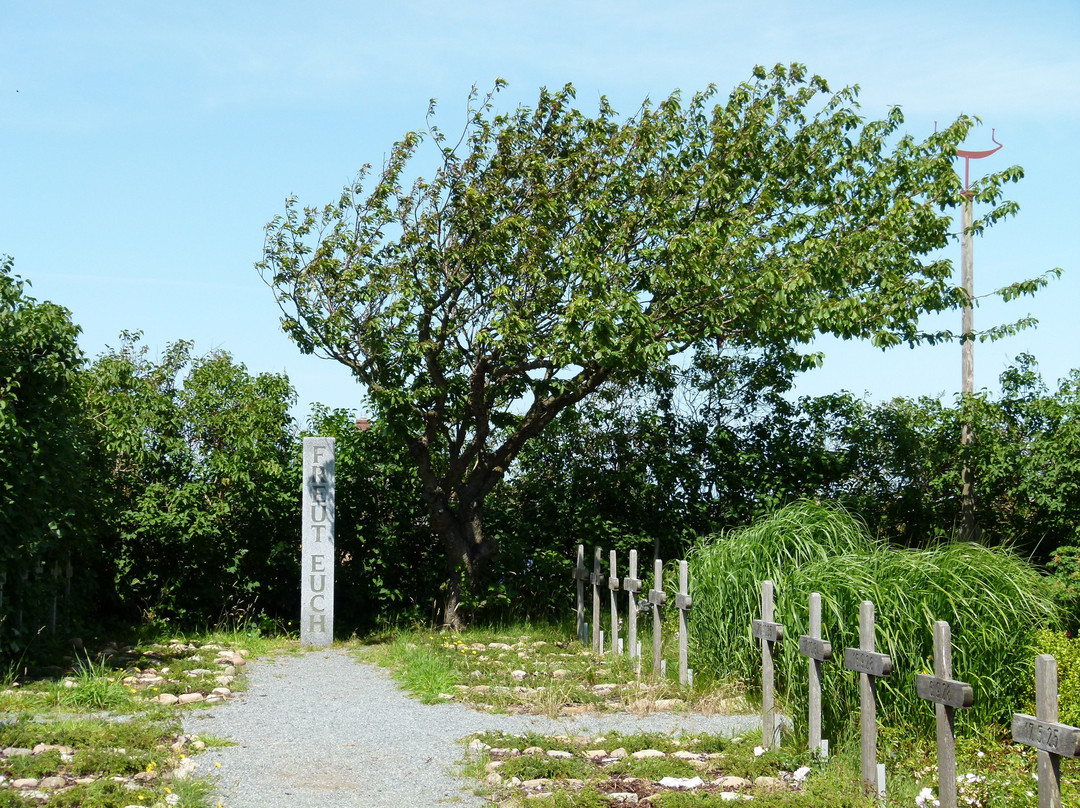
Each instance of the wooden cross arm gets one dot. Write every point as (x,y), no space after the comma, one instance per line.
(657,597)
(581,574)
(631,585)
(944,691)
(1058,739)
(613,583)
(683,602)
(868,662)
(770,632)
(815,648)
(597,579)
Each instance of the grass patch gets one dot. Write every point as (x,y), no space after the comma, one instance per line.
(992,599)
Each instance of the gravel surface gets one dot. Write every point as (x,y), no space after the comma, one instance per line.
(322,730)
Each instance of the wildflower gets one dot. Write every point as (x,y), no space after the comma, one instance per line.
(217,764)
(801,773)
(759,751)
(926,798)
(980,754)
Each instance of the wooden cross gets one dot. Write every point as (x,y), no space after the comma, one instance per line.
(870,666)
(1053,740)
(596,579)
(613,586)
(769,633)
(817,651)
(947,695)
(657,598)
(683,603)
(632,586)
(581,575)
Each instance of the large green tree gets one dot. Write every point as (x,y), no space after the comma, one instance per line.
(552,252)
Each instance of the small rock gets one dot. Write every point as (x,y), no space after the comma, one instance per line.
(538,783)
(17,751)
(191,698)
(52,782)
(682,754)
(681,782)
(768,782)
(732,782)
(648,753)
(596,753)
(221,691)
(560,674)
(493,779)
(668,704)
(619,754)
(559,754)
(532,750)
(623,797)
(25,782)
(493,765)
(223,680)
(519,675)
(229,670)
(198,672)
(476,745)
(166,698)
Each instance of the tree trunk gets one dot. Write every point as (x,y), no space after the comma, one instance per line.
(468,553)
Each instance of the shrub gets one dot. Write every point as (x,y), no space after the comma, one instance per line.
(1067,653)
(993,600)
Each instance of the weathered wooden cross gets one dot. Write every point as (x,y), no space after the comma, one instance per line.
(1053,740)
(632,586)
(870,666)
(613,586)
(657,598)
(581,575)
(683,603)
(597,580)
(817,651)
(769,633)
(947,695)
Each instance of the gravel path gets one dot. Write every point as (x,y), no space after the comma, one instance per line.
(322,730)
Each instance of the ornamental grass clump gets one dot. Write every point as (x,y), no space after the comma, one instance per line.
(993,600)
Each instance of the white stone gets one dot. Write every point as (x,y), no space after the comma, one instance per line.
(648,753)
(682,782)
(559,754)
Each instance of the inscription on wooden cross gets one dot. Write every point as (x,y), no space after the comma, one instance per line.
(597,580)
(631,585)
(768,633)
(817,651)
(613,587)
(581,575)
(1053,740)
(947,695)
(870,666)
(657,599)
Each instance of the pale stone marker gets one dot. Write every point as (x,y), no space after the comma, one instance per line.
(613,586)
(870,666)
(768,632)
(657,598)
(683,604)
(596,579)
(631,585)
(816,650)
(581,575)
(947,695)
(317,573)
(1053,740)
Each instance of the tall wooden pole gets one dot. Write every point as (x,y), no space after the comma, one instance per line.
(967,337)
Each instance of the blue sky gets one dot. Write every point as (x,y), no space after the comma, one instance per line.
(144,146)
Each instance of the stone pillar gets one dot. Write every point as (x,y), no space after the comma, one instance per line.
(317,572)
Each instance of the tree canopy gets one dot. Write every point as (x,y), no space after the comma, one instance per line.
(552,252)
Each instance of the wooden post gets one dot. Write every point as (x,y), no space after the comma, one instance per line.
(1053,740)
(683,603)
(657,598)
(581,575)
(632,586)
(816,650)
(768,632)
(596,579)
(947,695)
(870,666)
(613,587)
